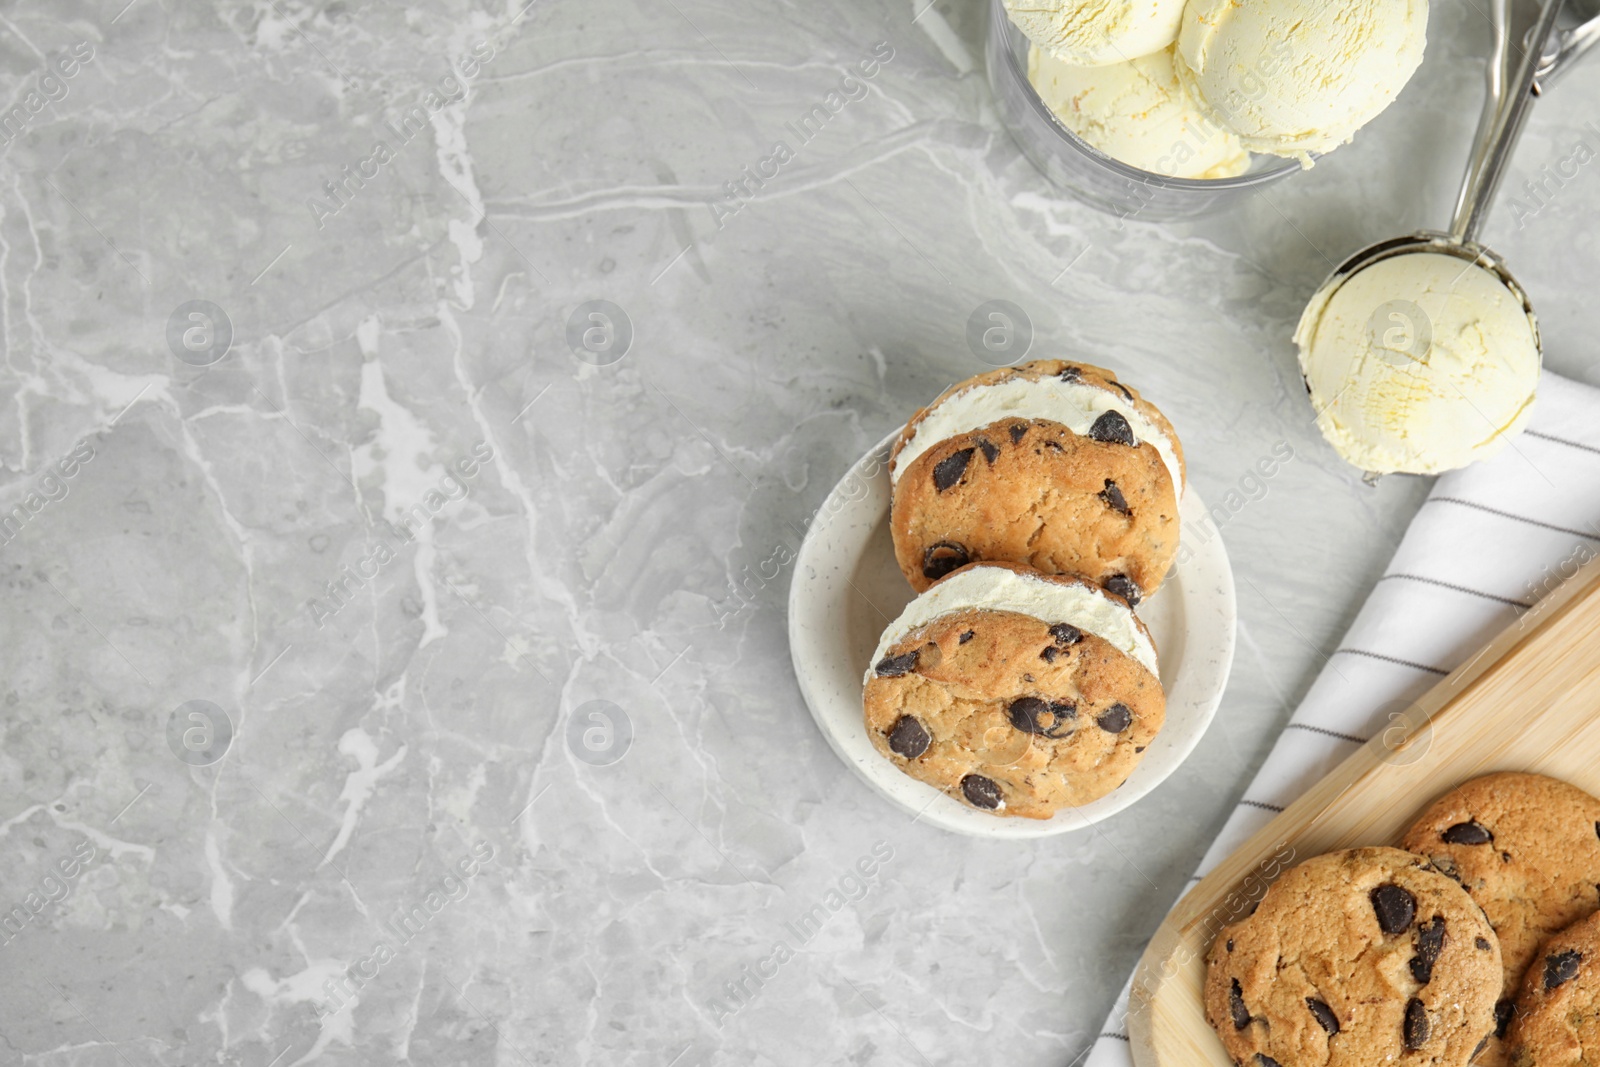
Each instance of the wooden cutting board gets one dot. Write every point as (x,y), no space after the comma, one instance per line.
(1529,701)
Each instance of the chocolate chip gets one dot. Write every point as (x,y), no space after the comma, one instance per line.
(1325,1016)
(1050,653)
(1483,944)
(1112,429)
(1597,829)
(990,452)
(1230,944)
(1395,908)
(1020,429)
(1065,634)
(1114,499)
(1479,1050)
(1123,389)
(1123,586)
(1504,1011)
(1138,748)
(1263,1060)
(1236,1008)
(968,636)
(1417,1026)
(1561,967)
(948,471)
(908,738)
(980,791)
(1072,374)
(1430,941)
(942,558)
(895,666)
(1467,833)
(1115,719)
(1034,716)
(1054,446)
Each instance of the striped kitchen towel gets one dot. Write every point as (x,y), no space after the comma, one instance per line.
(1488,542)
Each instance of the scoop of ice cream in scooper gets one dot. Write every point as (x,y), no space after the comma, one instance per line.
(1421,361)
(1421,353)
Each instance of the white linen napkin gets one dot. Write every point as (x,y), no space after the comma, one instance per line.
(1488,542)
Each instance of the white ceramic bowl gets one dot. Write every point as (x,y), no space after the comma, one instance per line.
(847,589)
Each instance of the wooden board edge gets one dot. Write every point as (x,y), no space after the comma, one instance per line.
(1157,972)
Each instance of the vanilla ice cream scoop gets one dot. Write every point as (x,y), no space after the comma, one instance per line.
(1139,113)
(1293,77)
(1096,32)
(1420,362)
(1421,353)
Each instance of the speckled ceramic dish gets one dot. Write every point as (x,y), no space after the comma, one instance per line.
(847,588)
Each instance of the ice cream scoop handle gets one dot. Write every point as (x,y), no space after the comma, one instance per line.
(1496,75)
(1493,152)
(1573,43)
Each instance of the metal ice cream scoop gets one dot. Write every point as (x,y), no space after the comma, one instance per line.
(1561,50)
(1511,93)
(1510,96)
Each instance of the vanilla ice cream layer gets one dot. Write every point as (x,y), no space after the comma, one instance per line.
(1094,32)
(1294,77)
(1073,404)
(1422,362)
(1138,113)
(1002,589)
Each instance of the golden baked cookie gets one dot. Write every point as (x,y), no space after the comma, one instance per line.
(1015,692)
(1527,848)
(1052,464)
(1356,958)
(1558,1012)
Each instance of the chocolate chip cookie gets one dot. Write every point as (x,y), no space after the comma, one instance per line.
(1361,957)
(1558,1012)
(1527,848)
(1014,692)
(1052,464)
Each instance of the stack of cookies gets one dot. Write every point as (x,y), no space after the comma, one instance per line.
(1478,942)
(1034,507)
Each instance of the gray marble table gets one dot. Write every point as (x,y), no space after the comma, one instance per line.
(328,543)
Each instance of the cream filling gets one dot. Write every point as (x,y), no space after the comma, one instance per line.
(1073,404)
(1002,589)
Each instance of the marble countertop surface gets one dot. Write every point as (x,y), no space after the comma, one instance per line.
(331,548)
